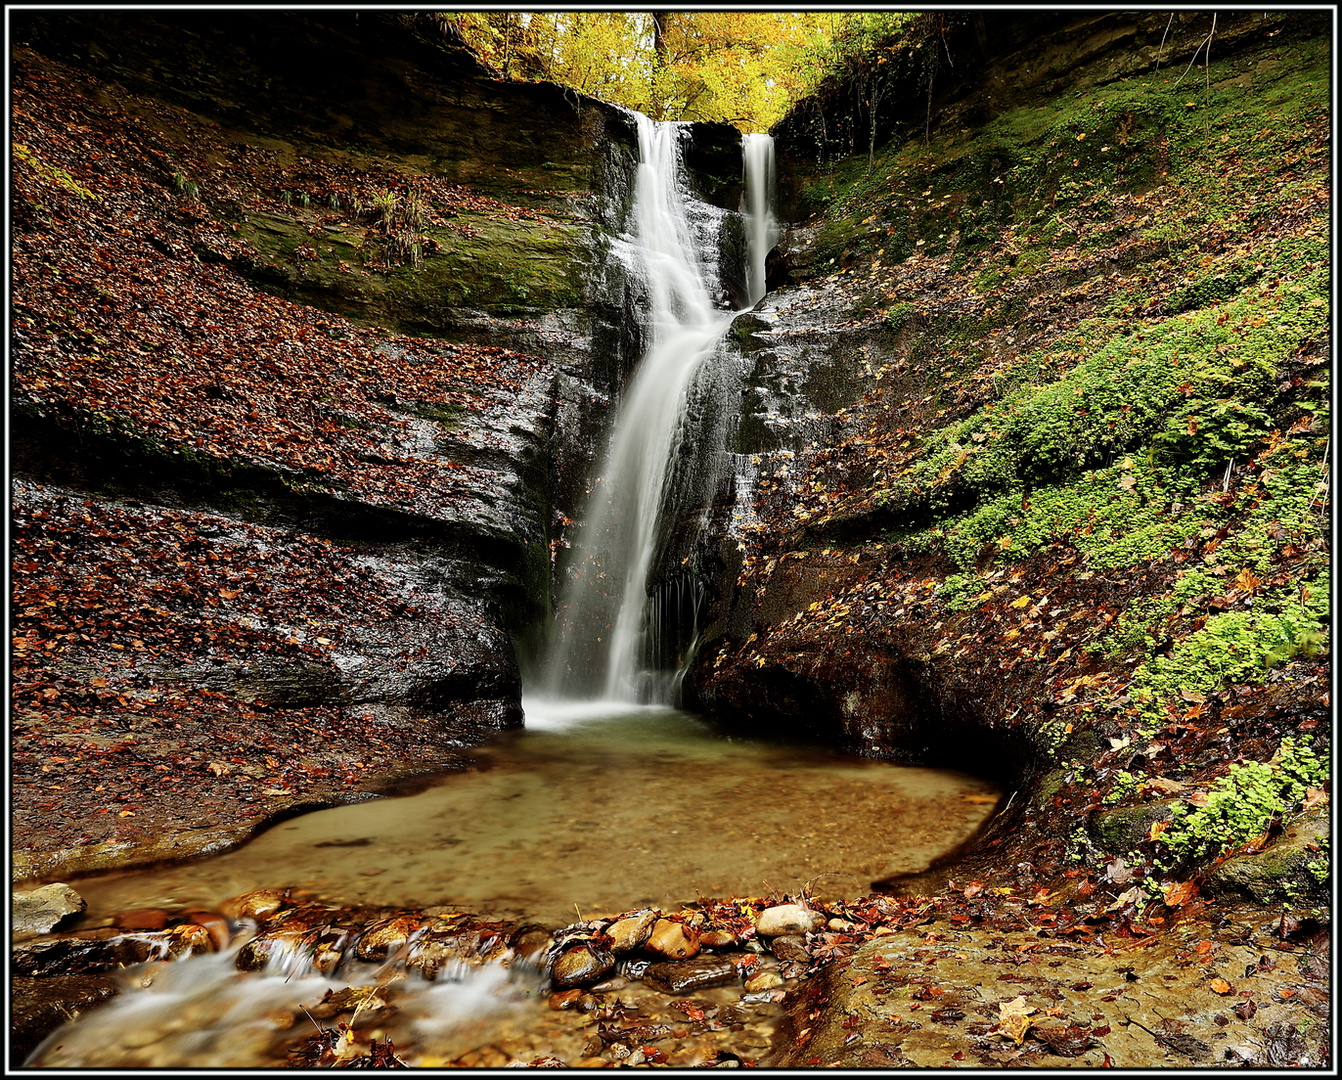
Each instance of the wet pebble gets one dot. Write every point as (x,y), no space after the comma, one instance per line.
(790,947)
(580,965)
(788,919)
(630,933)
(565,999)
(259,904)
(718,939)
(141,919)
(674,940)
(763,980)
(379,940)
(214,924)
(686,976)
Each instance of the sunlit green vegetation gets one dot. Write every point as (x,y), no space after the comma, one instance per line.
(740,67)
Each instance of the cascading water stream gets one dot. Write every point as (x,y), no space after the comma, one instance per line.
(604,610)
(761,227)
(528,829)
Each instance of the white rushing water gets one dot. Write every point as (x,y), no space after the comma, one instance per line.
(604,609)
(761,227)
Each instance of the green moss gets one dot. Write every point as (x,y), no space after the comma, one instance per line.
(25,155)
(446,413)
(488,262)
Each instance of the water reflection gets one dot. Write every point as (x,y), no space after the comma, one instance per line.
(597,808)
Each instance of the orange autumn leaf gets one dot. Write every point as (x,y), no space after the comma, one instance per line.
(1247,580)
(1221,986)
(1179,893)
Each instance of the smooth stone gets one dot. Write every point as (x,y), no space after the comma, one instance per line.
(37,911)
(700,973)
(628,934)
(378,941)
(141,919)
(531,942)
(266,949)
(718,939)
(674,940)
(764,980)
(215,925)
(788,919)
(259,904)
(565,999)
(580,965)
(790,947)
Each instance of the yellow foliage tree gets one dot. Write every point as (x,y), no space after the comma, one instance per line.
(741,67)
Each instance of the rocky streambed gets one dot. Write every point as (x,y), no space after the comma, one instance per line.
(978,977)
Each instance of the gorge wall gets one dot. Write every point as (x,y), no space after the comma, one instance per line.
(1028,474)
(312,353)
(1032,468)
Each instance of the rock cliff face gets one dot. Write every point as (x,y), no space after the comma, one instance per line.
(984,507)
(311,359)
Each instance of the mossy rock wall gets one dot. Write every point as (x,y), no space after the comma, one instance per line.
(1077,469)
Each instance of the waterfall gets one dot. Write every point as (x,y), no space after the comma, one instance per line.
(761,228)
(668,248)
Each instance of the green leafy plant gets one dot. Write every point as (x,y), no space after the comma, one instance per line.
(1235,646)
(1243,804)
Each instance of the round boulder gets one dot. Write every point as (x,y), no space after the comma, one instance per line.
(788,919)
(581,965)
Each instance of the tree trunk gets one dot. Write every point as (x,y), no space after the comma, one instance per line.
(659,20)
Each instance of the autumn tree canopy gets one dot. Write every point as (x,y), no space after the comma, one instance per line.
(741,67)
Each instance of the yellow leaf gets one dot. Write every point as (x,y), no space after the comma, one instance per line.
(1014,1020)
(1022,602)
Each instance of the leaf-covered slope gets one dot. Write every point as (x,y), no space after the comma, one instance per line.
(192,655)
(1080,516)
(126,314)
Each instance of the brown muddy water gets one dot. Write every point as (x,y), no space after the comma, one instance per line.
(587,811)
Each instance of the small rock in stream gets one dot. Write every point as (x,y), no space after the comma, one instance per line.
(141,919)
(580,965)
(788,919)
(674,940)
(214,924)
(790,947)
(628,934)
(37,911)
(380,939)
(686,976)
(763,980)
(259,904)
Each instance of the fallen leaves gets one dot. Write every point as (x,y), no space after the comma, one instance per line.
(1177,894)
(1014,1019)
